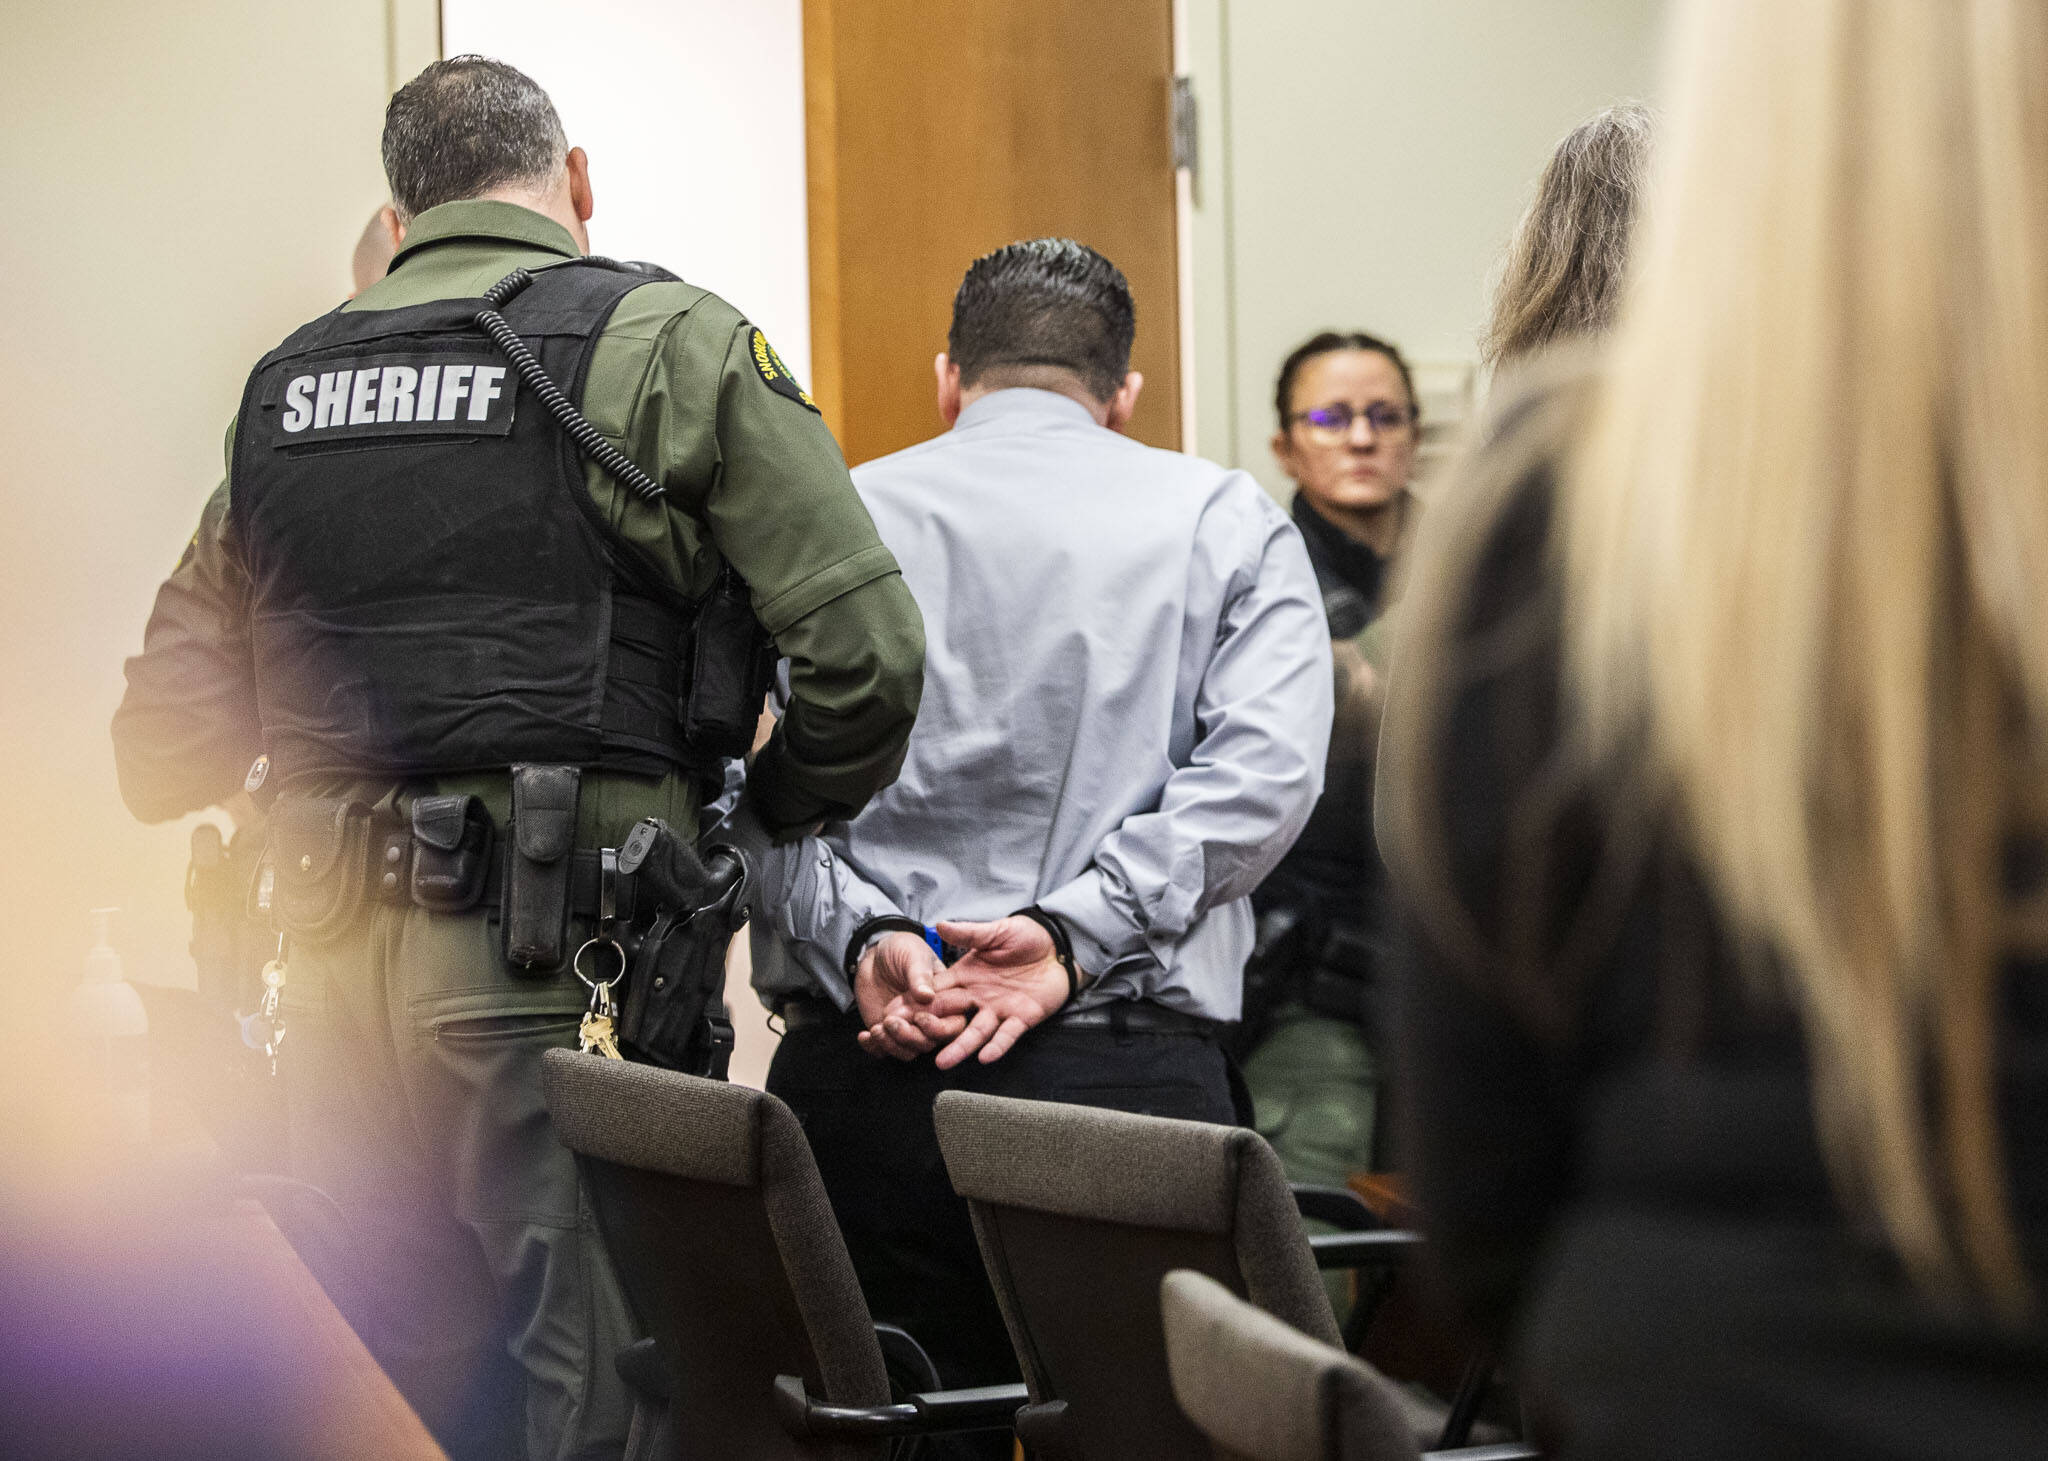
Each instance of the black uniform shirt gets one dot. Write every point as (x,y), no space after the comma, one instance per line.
(1333,867)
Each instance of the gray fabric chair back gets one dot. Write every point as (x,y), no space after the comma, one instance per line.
(1081,1213)
(1264,1392)
(713,1212)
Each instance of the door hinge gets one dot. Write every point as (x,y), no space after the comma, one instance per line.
(1184,137)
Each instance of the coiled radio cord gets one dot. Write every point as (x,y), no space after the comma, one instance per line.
(588,439)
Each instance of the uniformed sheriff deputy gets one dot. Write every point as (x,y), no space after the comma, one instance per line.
(412,594)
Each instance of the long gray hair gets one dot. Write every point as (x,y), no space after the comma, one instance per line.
(1565,264)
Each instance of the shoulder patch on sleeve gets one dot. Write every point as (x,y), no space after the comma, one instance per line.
(774,371)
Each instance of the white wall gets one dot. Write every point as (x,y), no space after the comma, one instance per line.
(692,112)
(1362,166)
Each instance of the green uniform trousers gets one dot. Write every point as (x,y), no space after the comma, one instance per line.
(1315,1089)
(1314,1084)
(412,1059)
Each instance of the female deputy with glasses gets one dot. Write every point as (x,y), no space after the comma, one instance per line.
(1719,793)
(1347,436)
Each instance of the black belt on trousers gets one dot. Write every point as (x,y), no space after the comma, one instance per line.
(1132,1016)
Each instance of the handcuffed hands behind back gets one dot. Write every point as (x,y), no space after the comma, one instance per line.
(894,984)
(1007,979)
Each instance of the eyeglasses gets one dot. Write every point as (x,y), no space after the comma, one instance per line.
(1334,421)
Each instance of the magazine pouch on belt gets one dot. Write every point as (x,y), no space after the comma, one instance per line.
(537,865)
(451,852)
(319,849)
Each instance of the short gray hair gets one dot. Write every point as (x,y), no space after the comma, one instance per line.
(465,126)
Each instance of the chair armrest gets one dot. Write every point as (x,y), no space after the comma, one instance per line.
(975,1408)
(1042,1427)
(1506,1451)
(910,1368)
(933,1412)
(641,1366)
(1363,1250)
(1338,1206)
(808,1419)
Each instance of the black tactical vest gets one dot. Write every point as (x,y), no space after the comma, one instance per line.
(433,588)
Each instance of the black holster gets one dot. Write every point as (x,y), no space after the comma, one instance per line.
(1304,957)
(229,945)
(672,1014)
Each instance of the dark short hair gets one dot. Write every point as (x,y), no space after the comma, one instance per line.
(1328,343)
(1044,302)
(465,126)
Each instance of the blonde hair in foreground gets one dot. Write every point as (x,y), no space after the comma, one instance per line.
(1806,548)
(1803,536)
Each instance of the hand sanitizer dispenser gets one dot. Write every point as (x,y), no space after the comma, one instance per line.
(112,1031)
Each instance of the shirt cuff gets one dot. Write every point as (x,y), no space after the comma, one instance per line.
(1103,934)
(822,907)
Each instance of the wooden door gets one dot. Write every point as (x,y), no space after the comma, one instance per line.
(941,129)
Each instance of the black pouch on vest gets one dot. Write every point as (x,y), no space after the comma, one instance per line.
(537,865)
(732,663)
(451,852)
(319,850)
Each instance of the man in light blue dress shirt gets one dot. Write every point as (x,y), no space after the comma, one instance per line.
(1127,704)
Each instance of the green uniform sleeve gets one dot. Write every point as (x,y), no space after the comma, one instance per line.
(187,727)
(692,391)
(784,512)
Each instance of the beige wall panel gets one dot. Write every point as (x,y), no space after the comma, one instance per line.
(186,183)
(1362,166)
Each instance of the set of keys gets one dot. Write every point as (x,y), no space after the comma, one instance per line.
(267,1011)
(598,1032)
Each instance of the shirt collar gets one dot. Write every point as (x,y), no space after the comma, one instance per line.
(486,218)
(1023,403)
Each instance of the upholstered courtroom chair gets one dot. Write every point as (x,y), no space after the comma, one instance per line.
(1261,1390)
(760,1346)
(1080,1213)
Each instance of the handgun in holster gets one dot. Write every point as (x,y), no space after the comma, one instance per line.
(688,907)
(228,945)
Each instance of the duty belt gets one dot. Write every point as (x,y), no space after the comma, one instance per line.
(392,853)
(333,855)
(663,912)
